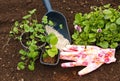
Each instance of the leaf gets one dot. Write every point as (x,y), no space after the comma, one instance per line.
(91,40)
(103,44)
(33,54)
(78,18)
(21,65)
(32,11)
(44,55)
(31,29)
(75,35)
(86,29)
(119,7)
(41,30)
(15,30)
(26,27)
(92,35)
(107,6)
(100,23)
(22,52)
(118,21)
(27,16)
(107,12)
(107,26)
(109,16)
(112,19)
(52,52)
(113,27)
(22,58)
(44,20)
(16,23)
(114,45)
(51,23)
(61,26)
(53,39)
(39,26)
(31,66)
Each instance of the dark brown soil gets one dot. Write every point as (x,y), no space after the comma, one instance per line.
(12,10)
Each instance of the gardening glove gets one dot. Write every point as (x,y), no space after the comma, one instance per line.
(62,42)
(90,56)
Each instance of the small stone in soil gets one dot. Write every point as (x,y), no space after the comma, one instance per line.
(54,73)
(21,79)
(0,58)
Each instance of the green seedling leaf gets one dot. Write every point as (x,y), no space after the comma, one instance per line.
(52,39)
(44,20)
(16,23)
(33,54)
(41,30)
(21,66)
(44,55)
(27,16)
(78,18)
(47,47)
(101,23)
(86,29)
(51,23)
(21,26)
(112,19)
(15,30)
(22,58)
(114,45)
(119,7)
(109,16)
(32,11)
(92,35)
(22,52)
(39,26)
(107,12)
(61,26)
(52,52)
(26,27)
(107,26)
(91,40)
(118,21)
(103,44)
(113,27)
(11,33)
(31,66)
(107,6)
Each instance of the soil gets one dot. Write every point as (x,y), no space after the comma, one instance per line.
(12,10)
(49,60)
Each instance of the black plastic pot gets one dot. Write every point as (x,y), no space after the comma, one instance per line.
(25,36)
(56,58)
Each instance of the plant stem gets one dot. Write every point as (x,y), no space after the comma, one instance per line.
(7,43)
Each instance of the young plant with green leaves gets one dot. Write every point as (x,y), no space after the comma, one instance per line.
(51,49)
(35,38)
(99,27)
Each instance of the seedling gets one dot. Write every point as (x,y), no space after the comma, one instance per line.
(99,27)
(35,39)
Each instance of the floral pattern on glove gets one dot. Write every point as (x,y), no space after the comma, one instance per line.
(90,56)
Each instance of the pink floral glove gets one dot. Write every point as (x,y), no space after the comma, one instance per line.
(92,57)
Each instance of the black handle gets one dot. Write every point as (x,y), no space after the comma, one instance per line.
(47,5)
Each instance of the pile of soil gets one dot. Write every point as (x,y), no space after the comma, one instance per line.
(12,10)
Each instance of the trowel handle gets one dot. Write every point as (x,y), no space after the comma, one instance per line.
(47,5)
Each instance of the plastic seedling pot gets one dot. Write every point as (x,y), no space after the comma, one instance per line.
(25,38)
(48,60)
